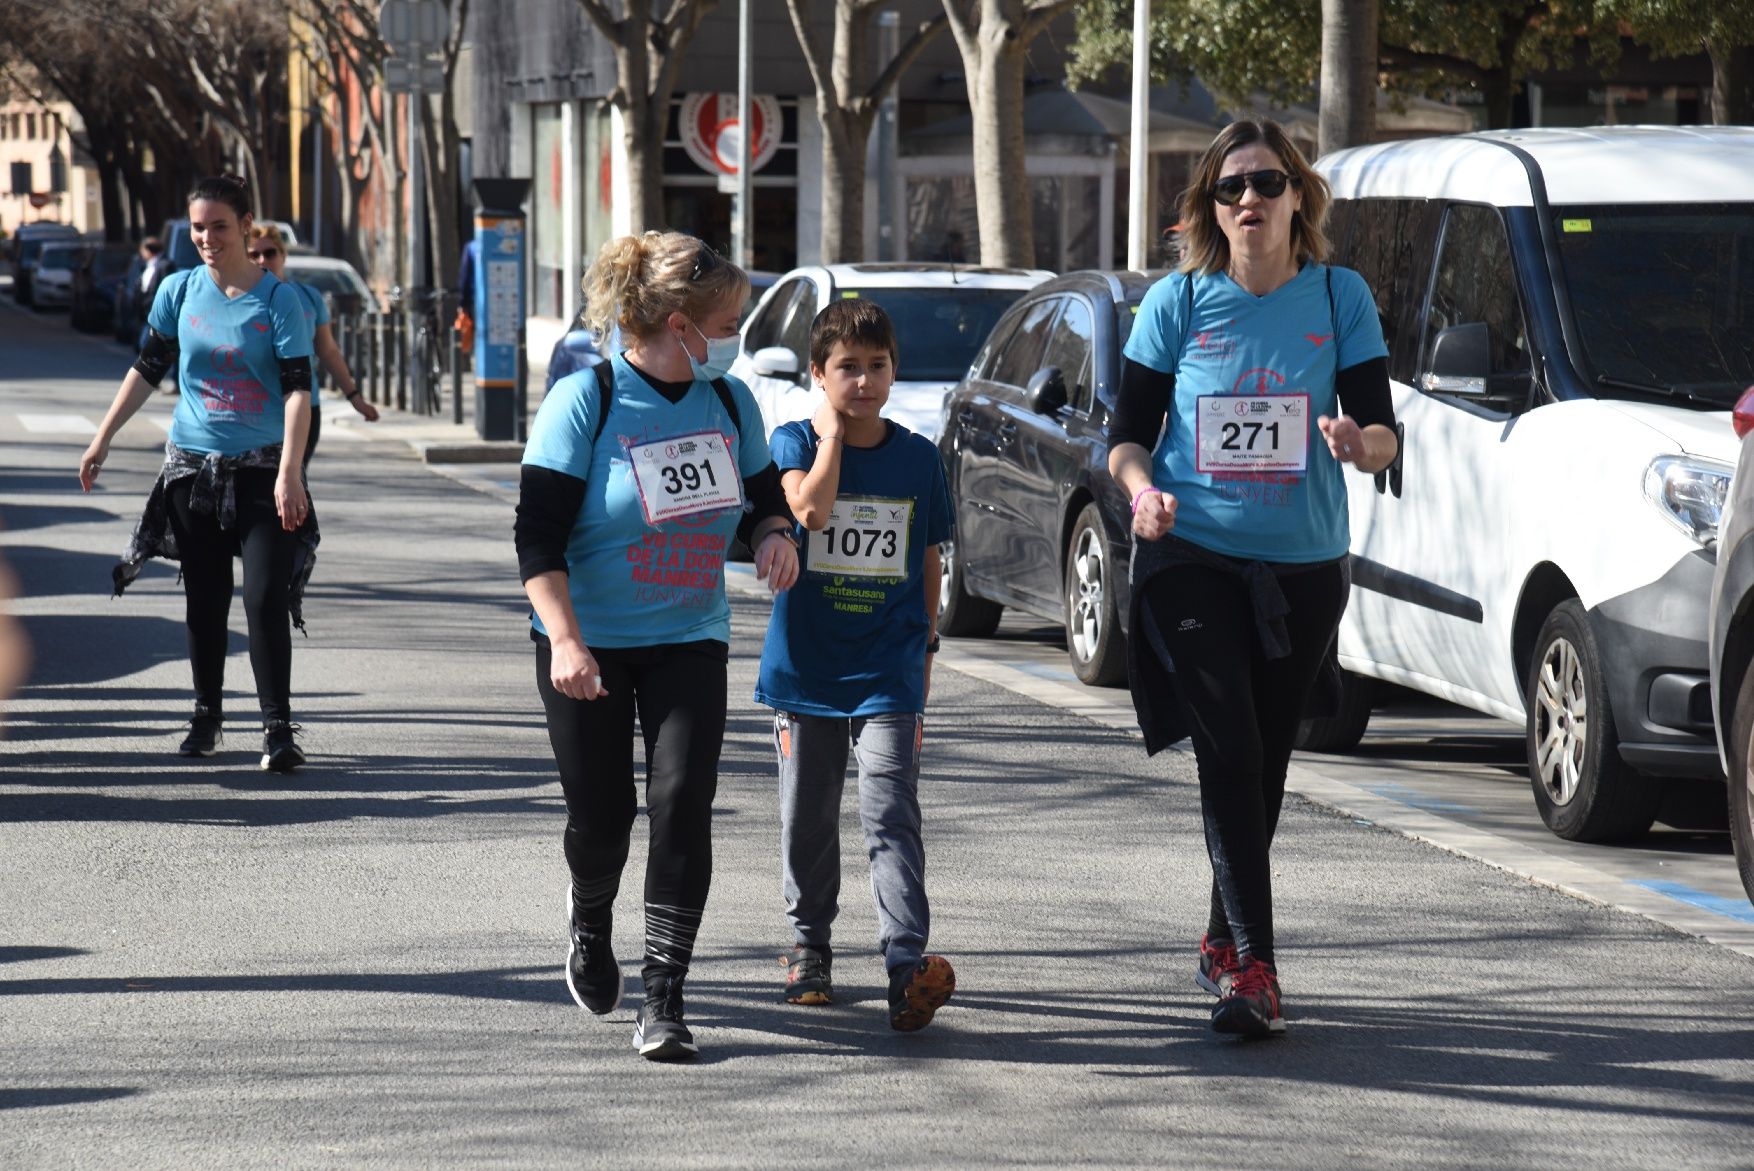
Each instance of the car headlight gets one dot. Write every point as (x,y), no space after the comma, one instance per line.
(1690,492)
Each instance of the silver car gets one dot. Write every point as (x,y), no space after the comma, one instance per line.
(1732,644)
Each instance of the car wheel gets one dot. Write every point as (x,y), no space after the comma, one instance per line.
(1341,731)
(1093,628)
(960,613)
(1741,781)
(1584,791)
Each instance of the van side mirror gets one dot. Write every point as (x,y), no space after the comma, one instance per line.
(1046,392)
(1461,361)
(775,362)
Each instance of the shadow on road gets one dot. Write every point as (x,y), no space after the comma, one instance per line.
(72,650)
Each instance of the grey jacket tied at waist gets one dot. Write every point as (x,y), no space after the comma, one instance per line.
(214,493)
(1151,671)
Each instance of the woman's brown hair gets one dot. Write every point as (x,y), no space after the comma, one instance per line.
(636,282)
(1204,247)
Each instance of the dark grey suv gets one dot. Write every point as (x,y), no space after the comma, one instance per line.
(1732,644)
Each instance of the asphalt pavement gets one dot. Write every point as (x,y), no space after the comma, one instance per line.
(360,964)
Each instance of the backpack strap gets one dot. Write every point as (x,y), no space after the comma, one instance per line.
(1333,315)
(606,398)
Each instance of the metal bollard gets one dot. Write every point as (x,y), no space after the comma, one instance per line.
(399,347)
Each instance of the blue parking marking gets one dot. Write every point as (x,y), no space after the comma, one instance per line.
(1738,909)
(1417,800)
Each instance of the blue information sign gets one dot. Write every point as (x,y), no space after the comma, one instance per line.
(499,298)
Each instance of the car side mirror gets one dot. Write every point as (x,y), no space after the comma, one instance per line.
(1046,391)
(1461,361)
(775,362)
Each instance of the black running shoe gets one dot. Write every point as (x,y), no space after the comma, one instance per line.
(918,992)
(280,753)
(807,978)
(658,1031)
(203,738)
(592,975)
(1250,1006)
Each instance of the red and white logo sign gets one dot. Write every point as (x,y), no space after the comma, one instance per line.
(712,137)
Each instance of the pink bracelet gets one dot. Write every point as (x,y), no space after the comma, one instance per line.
(1141,494)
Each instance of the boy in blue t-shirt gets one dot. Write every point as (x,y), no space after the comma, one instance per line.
(847,661)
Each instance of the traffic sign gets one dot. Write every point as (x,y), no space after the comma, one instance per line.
(425,76)
(408,23)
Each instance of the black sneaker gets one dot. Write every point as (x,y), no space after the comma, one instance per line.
(658,1031)
(203,738)
(592,975)
(1250,1007)
(280,753)
(807,978)
(917,992)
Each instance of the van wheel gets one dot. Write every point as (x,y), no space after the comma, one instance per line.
(1584,791)
(1741,751)
(1341,731)
(1093,628)
(960,613)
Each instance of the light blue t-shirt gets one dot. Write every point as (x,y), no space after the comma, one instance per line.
(851,645)
(1237,345)
(316,313)
(634,583)
(229,356)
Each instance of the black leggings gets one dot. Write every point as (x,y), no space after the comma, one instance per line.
(1242,711)
(678,692)
(267,551)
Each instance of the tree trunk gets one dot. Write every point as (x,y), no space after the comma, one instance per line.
(1349,74)
(1001,178)
(1732,83)
(843,186)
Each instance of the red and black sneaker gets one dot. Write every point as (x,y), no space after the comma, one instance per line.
(917,992)
(807,975)
(1218,965)
(1251,1006)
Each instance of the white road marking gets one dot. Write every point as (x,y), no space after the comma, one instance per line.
(58,424)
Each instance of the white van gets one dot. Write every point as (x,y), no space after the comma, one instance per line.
(1570,318)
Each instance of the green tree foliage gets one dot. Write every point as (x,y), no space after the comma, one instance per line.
(1724,29)
(1243,48)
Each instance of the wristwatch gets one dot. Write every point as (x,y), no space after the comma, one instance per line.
(932,647)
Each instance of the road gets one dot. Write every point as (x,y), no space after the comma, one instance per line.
(359,965)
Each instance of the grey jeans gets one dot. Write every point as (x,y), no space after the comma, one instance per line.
(813,770)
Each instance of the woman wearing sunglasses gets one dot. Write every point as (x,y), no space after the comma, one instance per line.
(634,482)
(1271,370)
(268,251)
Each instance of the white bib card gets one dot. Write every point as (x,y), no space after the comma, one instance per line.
(685,475)
(1253,433)
(866,536)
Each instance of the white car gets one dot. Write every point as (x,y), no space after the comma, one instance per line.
(942,314)
(332,278)
(52,280)
(1570,318)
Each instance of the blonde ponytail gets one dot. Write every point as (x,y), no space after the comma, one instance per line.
(636,282)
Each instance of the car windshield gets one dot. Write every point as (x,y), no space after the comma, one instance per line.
(939,329)
(332,281)
(111,263)
(1663,297)
(58,256)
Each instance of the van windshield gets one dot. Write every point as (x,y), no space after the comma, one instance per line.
(939,329)
(1663,297)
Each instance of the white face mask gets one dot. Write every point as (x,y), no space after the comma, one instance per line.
(720,353)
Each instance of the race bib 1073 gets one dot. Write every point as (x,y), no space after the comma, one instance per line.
(866,536)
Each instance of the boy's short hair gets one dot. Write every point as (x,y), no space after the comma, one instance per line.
(853,320)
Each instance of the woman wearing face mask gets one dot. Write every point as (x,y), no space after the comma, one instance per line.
(268,251)
(635,480)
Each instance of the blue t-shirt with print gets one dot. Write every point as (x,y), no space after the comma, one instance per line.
(634,583)
(849,644)
(316,313)
(229,359)
(1237,346)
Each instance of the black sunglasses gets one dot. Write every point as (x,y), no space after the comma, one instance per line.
(705,260)
(1269,184)
(262,253)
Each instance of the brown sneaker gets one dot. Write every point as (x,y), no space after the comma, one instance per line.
(916,993)
(807,978)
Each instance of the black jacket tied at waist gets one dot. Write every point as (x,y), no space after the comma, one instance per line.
(1151,671)
(214,493)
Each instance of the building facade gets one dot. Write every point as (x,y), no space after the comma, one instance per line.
(45,177)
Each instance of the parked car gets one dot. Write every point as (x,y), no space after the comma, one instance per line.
(28,243)
(942,314)
(1568,318)
(1040,524)
(52,275)
(97,285)
(1732,644)
(131,308)
(338,281)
